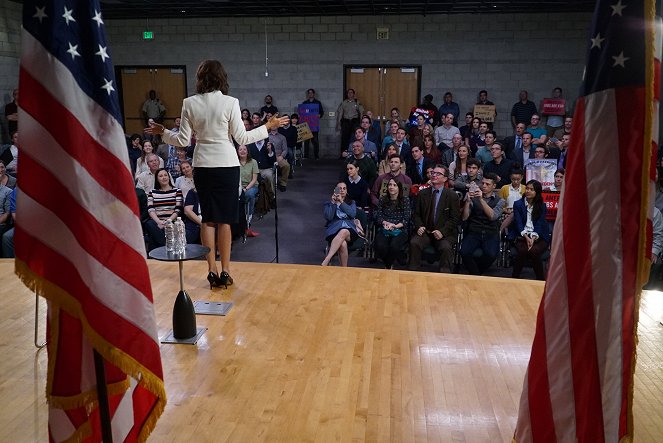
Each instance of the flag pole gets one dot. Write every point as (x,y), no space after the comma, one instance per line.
(102,394)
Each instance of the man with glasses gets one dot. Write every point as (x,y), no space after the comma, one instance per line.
(481,212)
(436,220)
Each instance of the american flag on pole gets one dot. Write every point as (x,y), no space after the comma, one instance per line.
(579,382)
(78,237)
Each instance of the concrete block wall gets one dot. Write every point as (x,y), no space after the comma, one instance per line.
(10,35)
(460,53)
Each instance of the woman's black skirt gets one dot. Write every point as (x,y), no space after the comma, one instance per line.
(218,192)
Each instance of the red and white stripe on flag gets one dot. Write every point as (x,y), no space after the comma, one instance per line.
(578,385)
(79,244)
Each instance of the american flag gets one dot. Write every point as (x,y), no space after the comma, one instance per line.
(78,236)
(578,386)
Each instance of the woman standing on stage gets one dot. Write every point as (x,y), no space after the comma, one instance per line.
(214,116)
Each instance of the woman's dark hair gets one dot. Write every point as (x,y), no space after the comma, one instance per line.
(211,77)
(247,111)
(537,202)
(157,185)
(354,163)
(400,200)
(560,171)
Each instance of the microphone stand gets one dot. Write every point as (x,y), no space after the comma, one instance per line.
(275,174)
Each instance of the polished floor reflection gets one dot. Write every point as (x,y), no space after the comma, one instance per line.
(330,354)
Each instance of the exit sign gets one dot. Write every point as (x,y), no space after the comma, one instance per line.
(148,35)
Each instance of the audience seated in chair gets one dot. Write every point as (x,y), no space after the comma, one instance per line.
(192,217)
(141,163)
(6,219)
(340,229)
(392,217)
(510,193)
(358,189)
(164,203)
(370,149)
(7,250)
(416,167)
(430,150)
(499,165)
(656,249)
(481,237)
(185,181)
(462,182)
(146,179)
(396,172)
(436,220)
(367,167)
(531,227)
(458,166)
(248,172)
(383,166)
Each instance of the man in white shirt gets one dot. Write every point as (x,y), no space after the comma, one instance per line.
(145,180)
(445,132)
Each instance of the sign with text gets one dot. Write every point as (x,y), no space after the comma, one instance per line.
(554,106)
(310,113)
(551,199)
(541,170)
(303,132)
(485,112)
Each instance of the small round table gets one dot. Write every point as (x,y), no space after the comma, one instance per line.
(184,315)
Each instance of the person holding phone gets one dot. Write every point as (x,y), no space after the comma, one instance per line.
(340,212)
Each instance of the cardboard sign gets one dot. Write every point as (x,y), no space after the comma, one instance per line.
(485,112)
(554,106)
(551,199)
(303,132)
(310,113)
(541,170)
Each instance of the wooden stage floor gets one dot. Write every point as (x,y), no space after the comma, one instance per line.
(329,354)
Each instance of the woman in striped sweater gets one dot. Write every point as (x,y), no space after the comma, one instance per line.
(163,203)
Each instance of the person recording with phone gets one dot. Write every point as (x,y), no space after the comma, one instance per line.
(340,231)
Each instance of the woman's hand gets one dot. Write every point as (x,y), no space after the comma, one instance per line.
(277,122)
(161,224)
(530,241)
(154,128)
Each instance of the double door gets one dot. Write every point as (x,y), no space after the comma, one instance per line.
(135,82)
(380,88)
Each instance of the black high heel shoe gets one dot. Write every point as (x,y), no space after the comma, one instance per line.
(213,280)
(225,279)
